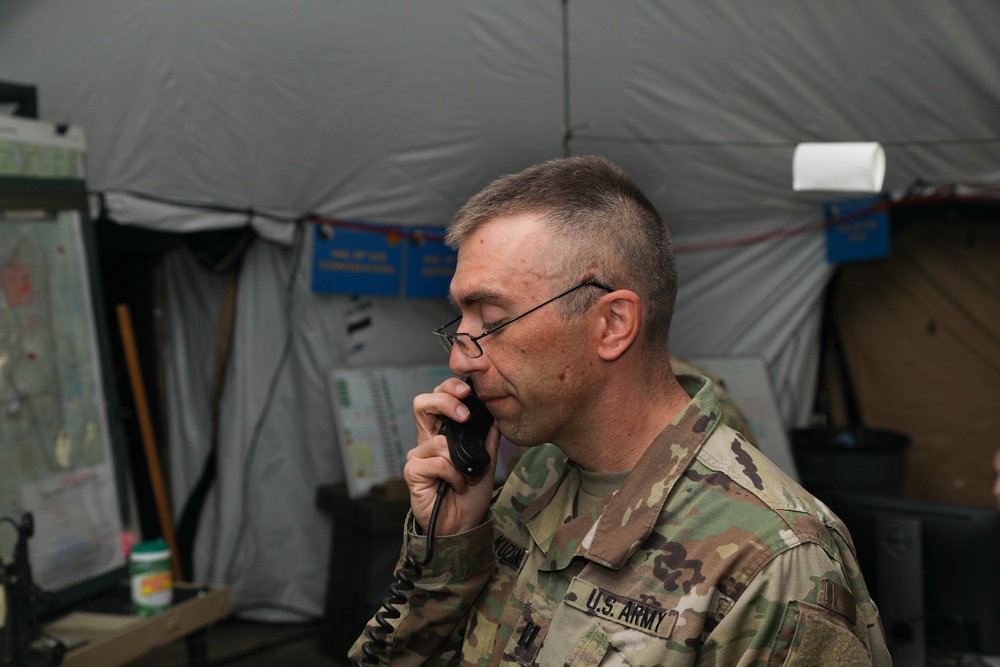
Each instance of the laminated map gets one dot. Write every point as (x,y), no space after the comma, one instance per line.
(55,450)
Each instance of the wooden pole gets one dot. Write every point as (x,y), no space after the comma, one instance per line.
(148,439)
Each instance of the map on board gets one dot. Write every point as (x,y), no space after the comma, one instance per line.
(56,458)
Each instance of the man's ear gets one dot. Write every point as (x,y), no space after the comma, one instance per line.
(621,321)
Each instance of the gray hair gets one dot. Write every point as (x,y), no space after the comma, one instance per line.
(612,232)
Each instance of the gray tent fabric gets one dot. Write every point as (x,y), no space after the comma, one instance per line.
(397,112)
(261,532)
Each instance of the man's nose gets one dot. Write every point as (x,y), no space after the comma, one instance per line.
(461,364)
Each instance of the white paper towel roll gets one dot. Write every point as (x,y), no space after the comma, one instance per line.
(850,166)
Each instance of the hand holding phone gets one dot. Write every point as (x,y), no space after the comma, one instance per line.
(467,441)
(463,459)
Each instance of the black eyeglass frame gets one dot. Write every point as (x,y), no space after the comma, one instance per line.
(448,341)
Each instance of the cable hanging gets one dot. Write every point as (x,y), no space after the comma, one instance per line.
(735,143)
(918,193)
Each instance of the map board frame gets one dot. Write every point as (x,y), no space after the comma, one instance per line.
(29,200)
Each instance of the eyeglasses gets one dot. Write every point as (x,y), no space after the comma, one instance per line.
(469,344)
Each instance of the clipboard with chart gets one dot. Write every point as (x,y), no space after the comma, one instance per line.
(373,413)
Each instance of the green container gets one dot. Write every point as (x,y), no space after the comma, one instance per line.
(152,580)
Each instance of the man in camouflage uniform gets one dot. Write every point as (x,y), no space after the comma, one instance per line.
(647,533)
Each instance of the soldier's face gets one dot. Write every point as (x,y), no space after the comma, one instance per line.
(533,374)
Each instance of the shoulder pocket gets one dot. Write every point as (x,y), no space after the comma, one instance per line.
(812,635)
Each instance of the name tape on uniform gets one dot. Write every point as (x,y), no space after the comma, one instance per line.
(648,617)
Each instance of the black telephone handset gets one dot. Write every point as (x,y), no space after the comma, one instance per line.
(467,441)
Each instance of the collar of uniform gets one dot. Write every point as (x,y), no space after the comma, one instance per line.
(551,513)
(629,517)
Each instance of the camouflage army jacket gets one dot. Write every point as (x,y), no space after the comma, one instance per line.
(707,555)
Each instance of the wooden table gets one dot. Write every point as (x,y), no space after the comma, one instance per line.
(108,639)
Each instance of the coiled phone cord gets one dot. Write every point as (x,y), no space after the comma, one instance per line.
(377,643)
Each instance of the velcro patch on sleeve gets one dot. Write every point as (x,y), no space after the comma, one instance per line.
(838,599)
(818,641)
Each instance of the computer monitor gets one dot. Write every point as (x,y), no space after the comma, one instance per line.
(933,570)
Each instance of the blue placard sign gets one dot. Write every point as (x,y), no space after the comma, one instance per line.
(354,261)
(430,264)
(381,261)
(859,229)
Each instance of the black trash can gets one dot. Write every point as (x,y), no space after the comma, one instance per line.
(858,459)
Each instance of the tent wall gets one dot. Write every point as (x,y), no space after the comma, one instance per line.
(261,531)
(921,331)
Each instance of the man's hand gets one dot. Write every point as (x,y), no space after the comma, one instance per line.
(465,505)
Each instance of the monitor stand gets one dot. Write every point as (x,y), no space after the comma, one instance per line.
(901,589)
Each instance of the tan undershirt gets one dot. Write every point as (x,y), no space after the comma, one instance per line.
(595,486)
